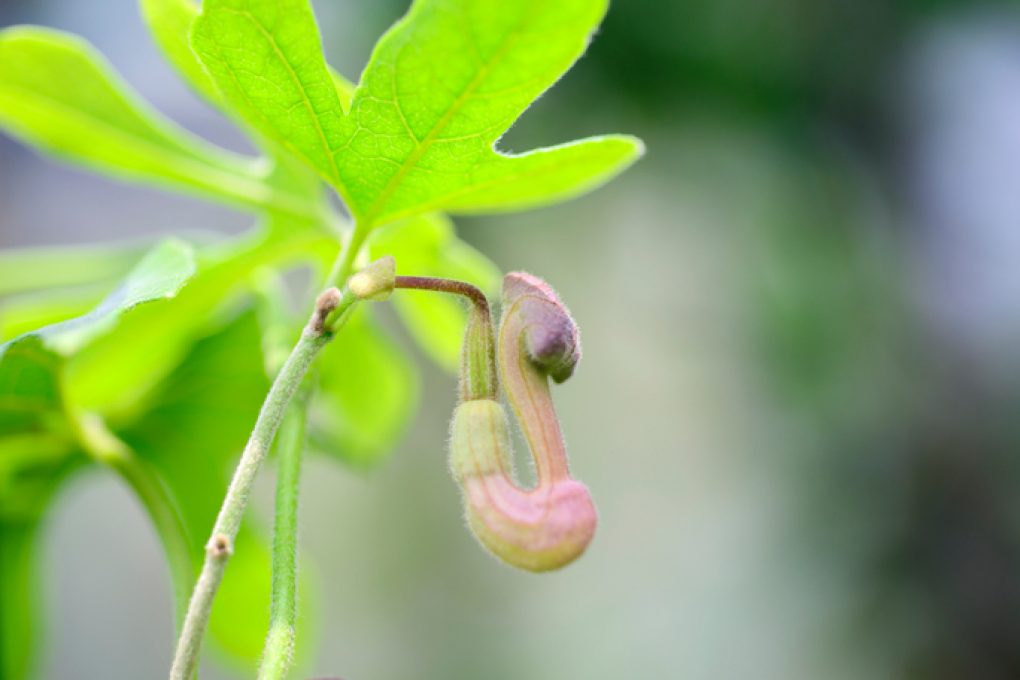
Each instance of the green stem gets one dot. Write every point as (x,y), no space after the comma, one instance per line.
(279,649)
(344,265)
(104,447)
(315,336)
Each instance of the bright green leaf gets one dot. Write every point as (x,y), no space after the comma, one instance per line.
(24,313)
(159,276)
(59,94)
(170,21)
(266,58)
(428,246)
(31,365)
(24,269)
(112,376)
(444,84)
(440,89)
(368,393)
(532,179)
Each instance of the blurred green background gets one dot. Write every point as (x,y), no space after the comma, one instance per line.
(799,407)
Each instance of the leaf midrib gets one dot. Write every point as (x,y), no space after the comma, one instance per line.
(297,82)
(422,146)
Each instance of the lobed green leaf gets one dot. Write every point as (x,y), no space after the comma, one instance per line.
(265,56)
(440,89)
(170,22)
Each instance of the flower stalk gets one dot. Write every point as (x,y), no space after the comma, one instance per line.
(478,379)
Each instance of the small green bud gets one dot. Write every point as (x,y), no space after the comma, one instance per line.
(374,282)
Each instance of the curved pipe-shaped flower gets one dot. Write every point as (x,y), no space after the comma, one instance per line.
(550,525)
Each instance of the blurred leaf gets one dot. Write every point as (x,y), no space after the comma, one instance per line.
(26,269)
(199,418)
(192,434)
(170,21)
(29,464)
(21,513)
(31,365)
(159,276)
(368,390)
(19,593)
(114,375)
(30,390)
(24,313)
(279,326)
(428,246)
(59,94)
(36,444)
(432,101)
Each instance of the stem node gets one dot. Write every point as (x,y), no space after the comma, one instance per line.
(220,547)
(325,304)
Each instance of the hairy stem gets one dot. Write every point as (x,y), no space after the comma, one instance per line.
(473,293)
(478,359)
(104,447)
(279,649)
(314,337)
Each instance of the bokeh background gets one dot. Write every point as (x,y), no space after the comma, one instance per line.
(799,409)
